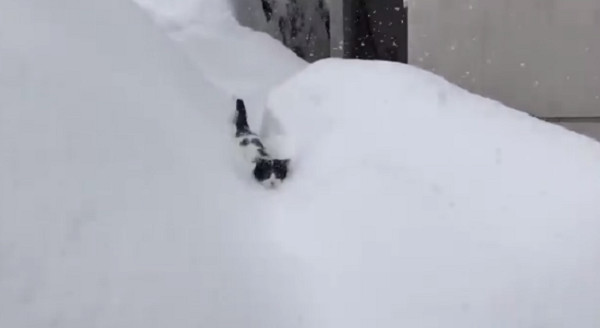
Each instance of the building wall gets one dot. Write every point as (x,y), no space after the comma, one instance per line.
(301,25)
(540,56)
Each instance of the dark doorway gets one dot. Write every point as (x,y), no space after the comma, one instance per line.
(376,30)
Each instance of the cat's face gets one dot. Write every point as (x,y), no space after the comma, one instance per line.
(271,172)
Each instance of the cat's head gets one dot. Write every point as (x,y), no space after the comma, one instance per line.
(271,172)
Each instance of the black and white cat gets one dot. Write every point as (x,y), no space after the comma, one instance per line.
(269,171)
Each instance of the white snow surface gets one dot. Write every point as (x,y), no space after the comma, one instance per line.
(412,203)
(417,204)
(240,61)
(119,204)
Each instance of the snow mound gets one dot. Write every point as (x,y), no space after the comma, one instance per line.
(119,204)
(176,14)
(242,62)
(417,204)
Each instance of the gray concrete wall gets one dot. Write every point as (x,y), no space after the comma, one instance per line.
(303,30)
(540,56)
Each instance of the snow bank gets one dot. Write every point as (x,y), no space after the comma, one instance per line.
(175,14)
(416,204)
(119,205)
(240,61)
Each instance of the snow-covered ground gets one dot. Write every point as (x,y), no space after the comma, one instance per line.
(119,205)
(417,204)
(242,62)
(412,203)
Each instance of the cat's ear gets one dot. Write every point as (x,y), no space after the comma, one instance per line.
(285,162)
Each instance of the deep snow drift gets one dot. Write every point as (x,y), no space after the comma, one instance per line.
(240,61)
(412,203)
(417,204)
(119,206)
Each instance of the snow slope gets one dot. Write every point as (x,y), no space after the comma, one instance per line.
(417,204)
(119,206)
(243,62)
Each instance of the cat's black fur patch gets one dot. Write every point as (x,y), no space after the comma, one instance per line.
(257,143)
(262,152)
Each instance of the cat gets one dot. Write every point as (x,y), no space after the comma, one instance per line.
(269,171)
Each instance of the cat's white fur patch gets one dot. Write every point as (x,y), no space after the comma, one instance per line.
(271,182)
(250,151)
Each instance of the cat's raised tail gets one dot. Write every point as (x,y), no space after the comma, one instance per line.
(241,118)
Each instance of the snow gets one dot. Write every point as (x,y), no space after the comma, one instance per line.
(417,204)
(412,203)
(119,205)
(238,60)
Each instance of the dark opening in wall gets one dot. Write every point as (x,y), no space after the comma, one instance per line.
(376,30)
